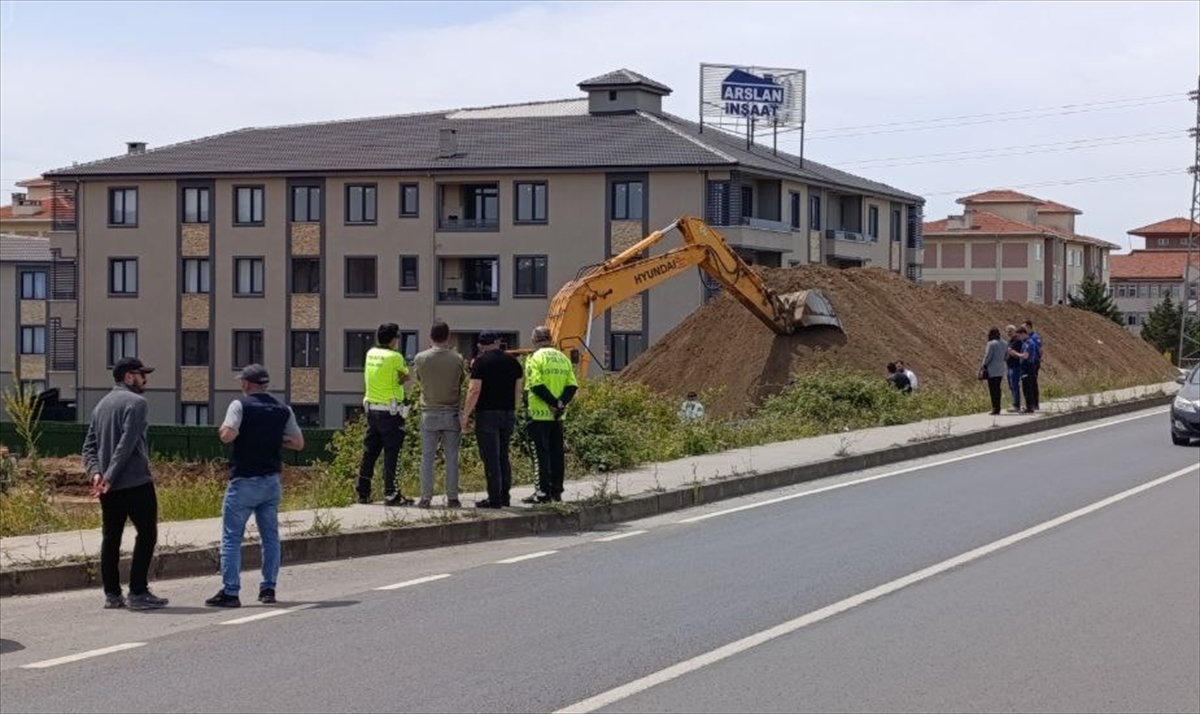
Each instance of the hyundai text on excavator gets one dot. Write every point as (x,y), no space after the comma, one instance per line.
(600,287)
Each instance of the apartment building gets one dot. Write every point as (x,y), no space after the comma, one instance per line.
(289,245)
(24,275)
(1141,279)
(1011,246)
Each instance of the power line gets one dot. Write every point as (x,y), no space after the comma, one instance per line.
(947,123)
(1064,182)
(1062,145)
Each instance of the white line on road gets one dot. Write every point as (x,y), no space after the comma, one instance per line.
(531,556)
(619,536)
(678,670)
(910,469)
(418,581)
(268,614)
(83,655)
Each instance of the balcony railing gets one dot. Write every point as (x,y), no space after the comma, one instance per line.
(854,236)
(468,224)
(453,295)
(752,222)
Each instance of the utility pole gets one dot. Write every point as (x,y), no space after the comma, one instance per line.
(1189,345)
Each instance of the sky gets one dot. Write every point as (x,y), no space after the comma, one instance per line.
(1084,103)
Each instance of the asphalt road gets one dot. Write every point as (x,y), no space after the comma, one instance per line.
(1101,613)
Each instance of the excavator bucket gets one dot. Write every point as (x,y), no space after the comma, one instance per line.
(809,308)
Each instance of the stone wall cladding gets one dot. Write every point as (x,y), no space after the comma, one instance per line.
(194,312)
(33,312)
(627,315)
(306,239)
(624,234)
(304,386)
(306,312)
(195,241)
(33,366)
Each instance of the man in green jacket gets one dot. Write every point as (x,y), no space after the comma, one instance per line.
(550,385)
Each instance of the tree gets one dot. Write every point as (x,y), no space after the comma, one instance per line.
(1094,297)
(1162,326)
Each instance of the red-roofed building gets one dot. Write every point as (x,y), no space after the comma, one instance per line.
(1143,278)
(1008,245)
(1171,234)
(36,211)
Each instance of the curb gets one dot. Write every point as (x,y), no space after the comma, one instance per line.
(381,541)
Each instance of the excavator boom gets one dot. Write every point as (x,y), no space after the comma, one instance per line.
(630,273)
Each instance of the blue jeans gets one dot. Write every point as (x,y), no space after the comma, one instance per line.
(1014,386)
(258,495)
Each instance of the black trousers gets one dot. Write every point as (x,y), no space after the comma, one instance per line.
(385,433)
(1029,383)
(493,431)
(548,445)
(994,392)
(140,505)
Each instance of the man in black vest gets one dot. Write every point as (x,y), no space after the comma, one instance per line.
(259,427)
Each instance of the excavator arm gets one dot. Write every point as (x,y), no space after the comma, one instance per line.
(627,274)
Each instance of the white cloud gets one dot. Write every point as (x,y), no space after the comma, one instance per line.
(868,63)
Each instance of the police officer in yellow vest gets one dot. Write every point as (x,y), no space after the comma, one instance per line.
(550,385)
(383,373)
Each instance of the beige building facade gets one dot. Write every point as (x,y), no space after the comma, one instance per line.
(1010,246)
(206,256)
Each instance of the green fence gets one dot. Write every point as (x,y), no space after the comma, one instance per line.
(190,443)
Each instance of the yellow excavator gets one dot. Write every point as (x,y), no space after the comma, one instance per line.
(599,288)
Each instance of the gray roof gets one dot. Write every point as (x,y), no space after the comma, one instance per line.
(517,137)
(24,249)
(623,78)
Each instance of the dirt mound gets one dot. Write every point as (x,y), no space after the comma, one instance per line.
(939,331)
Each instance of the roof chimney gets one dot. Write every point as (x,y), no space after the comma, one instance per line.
(447,143)
(135,147)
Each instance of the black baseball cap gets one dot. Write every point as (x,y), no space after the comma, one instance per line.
(488,337)
(129,365)
(255,374)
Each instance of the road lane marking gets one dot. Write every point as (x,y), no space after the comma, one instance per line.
(83,655)
(910,469)
(619,536)
(678,670)
(418,581)
(531,556)
(274,612)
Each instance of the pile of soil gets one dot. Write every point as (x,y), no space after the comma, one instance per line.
(939,331)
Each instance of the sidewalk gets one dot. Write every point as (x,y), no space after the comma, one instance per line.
(22,552)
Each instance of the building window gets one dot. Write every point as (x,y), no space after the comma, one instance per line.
(306,276)
(873,222)
(360,204)
(306,204)
(747,201)
(122,276)
(248,276)
(1164,241)
(247,348)
(795,206)
(409,277)
(306,349)
(33,285)
(33,386)
(33,340)
(814,212)
(195,348)
(1037,252)
(481,205)
(360,277)
(409,344)
(410,194)
(196,278)
(307,415)
(248,205)
(195,205)
(624,347)
(627,200)
(122,206)
(468,279)
(897,222)
(531,202)
(1038,290)
(718,203)
(194,414)
(1120,290)
(530,278)
(358,342)
(121,344)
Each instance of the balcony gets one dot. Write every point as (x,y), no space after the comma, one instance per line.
(849,245)
(759,234)
(454,223)
(469,207)
(468,280)
(453,295)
